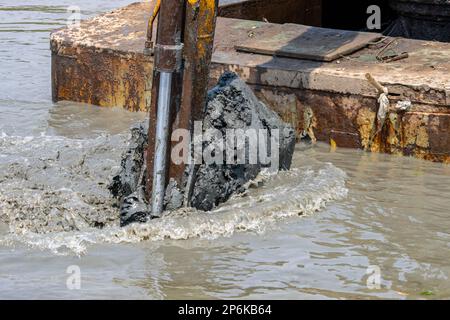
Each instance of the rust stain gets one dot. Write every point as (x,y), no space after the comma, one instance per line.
(116,80)
(365,121)
(286,105)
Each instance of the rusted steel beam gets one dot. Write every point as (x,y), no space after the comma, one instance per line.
(201,16)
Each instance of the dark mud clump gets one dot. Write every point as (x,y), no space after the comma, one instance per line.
(131,175)
(129,185)
(231,105)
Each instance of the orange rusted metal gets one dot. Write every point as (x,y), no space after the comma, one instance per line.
(199,39)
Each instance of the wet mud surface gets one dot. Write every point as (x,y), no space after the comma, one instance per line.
(231,105)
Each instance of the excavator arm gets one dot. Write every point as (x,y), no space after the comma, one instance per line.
(182,57)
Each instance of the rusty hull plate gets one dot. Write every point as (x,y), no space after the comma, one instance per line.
(304,42)
(102,63)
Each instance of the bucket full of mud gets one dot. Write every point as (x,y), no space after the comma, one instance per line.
(238,138)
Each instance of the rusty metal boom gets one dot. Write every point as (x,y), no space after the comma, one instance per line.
(183,50)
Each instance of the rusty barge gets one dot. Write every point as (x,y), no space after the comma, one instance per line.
(318,88)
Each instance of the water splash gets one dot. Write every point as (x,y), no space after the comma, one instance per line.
(301,191)
(53,184)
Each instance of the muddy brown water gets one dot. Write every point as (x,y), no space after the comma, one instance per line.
(318,231)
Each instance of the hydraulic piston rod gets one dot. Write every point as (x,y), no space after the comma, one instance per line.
(166,89)
(161,143)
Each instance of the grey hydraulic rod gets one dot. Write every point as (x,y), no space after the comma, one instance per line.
(161,143)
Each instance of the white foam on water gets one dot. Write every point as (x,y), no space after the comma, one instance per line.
(298,192)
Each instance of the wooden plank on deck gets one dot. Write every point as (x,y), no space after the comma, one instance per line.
(305,42)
